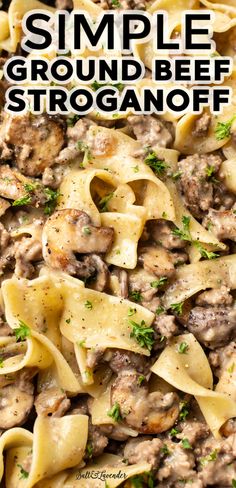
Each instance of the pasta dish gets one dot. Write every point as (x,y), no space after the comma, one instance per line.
(118,278)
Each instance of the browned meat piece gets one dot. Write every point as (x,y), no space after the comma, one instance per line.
(213,326)
(157,260)
(53,177)
(143,449)
(97,441)
(74,135)
(37,141)
(223,199)
(120,359)
(177,465)
(216,296)
(222,469)
(53,402)
(149,413)
(10,185)
(193,431)
(140,285)
(202,125)
(195,182)
(222,224)
(150,131)
(100,274)
(64,4)
(161,232)
(166,326)
(27,251)
(68,232)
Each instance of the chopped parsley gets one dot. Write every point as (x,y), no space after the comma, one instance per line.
(115,413)
(137,481)
(89,450)
(211,457)
(26,200)
(71,121)
(23,473)
(234,483)
(159,166)
(222,130)
(1,362)
(177,307)
(103,203)
(183,347)
(157,283)
(86,230)
(88,305)
(51,202)
(142,334)
(95,85)
(68,321)
(174,432)
(165,450)
(210,171)
(131,312)
(141,379)
(159,310)
(81,343)
(136,169)
(175,176)
(29,187)
(22,331)
(186,444)
(136,296)
(184,411)
(185,235)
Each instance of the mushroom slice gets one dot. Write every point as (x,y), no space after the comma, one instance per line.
(68,232)
(15,406)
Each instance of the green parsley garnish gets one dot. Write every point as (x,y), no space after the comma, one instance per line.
(68,321)
(114,413)
(136,296)
(175,176)
(71,121)
(89,450)
(157,283)
(88,305)
(184,411)
(23,473)
(142,334)
(159,310)
(26,200)
(86,230)
(159,166)
(95,85)
(22,331)
(137,481)
(81,343)
(234,483)
(183,347)
(103,203)
(177,307)
(141,379)
(222,130)
(186,444)
(185,235)
(1,362)
(136,169)
(51,202)
(174,432)
(211,457)
(131,312)
(165,450)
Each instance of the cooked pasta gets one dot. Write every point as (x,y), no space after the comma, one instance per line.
(118,279)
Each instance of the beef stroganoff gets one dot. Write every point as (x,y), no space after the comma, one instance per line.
(118,279)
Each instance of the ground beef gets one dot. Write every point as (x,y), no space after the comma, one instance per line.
(143,449)
(195,184)
(150,131)
(214,326)
(202,125)
(222,224)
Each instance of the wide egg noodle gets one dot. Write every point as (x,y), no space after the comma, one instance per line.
(207,274)
(180,371)
(66,443)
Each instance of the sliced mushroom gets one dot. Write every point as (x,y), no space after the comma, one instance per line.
(68,232)
(36,140)
(148,413)
(157,260)
(53,402)
(15,406)
(13,186)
